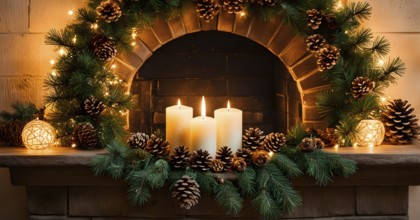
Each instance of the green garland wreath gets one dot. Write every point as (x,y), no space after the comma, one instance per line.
(87,99)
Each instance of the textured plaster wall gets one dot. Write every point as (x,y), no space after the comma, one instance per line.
(24,62)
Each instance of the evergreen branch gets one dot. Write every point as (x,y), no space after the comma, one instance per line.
(228,197)
(380,47)
(286,165)
(354,13)
(246,181)
(206,181)
(341,166)
(362,108)
(139,194)
(159,173)
(21,111)
(62,38)
(391,71)
(295,135)
(266,205)
(318,167)
(346,131)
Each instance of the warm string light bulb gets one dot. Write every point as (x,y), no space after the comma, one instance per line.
(62,52)
(54,73)
(74,39)
(381,62)
(242,14)
(133,37)
(339,5)
(70,12)
(52,62)
(113,66)
(94,26)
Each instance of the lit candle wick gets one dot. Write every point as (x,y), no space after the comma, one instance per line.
(179,104)
(203,108)
(228,106)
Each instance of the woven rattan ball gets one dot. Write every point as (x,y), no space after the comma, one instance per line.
(38,134)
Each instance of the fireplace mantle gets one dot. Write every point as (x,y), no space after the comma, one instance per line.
(60,185)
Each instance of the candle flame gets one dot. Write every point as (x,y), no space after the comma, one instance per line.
(203,108)
(179,103)
(228,106)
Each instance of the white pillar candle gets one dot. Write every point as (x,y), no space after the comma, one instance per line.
(203,132)
(229,127)
(178,125)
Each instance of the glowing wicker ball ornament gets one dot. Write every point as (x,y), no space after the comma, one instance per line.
(38,134)
(370,133)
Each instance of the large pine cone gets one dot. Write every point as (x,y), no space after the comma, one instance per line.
(238,164)
(109,11)
(11,132)
(327,57)
(328,136)
(225,155)
(266,3)
(200,160)
(315,42)
(400,122)
(85,136)
(260,158)
(186,191)
(103,48)
(245,154)
(274,142)
(207,9)
(310,144)
(361,86)
(234,6)
(253,139)
(157,147)
(93,106)
(180,158)
(137,140)
(314,18)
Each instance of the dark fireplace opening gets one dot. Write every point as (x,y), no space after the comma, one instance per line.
(220,66)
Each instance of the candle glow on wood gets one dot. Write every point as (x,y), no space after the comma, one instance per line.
(178,125)
(229,127)
(203,132)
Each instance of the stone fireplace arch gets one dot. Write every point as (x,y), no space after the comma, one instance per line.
(274,35)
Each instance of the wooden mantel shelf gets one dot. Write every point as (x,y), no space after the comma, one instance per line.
(384,165)
(63,156)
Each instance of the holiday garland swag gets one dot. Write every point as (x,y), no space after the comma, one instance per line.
(87,101)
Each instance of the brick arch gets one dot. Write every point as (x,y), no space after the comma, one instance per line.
(273,35)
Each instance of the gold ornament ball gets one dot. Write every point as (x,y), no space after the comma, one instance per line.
(370,133)
(38,134)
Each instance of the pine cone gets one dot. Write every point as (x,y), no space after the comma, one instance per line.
(137,140)
(328,57)
(85,136)
(11,132)
(186,191)
(217,165)
(207,9)
(328,136)
(266,3)
(310,144)
(315,42)
(180,158)
(103,48)
(253,139)
(234,6)
(331,21)
(200,160)
(274,142)
(245,154)
(314,18)
(109,11)
(93,106)
(400,122)
(361,86)
(157,147)
(260,158)
(238,164)
(225,155)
